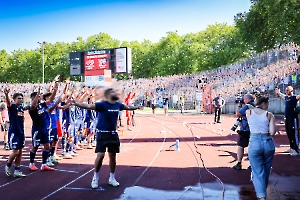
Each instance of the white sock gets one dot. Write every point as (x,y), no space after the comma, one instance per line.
(96,174)
(112,175)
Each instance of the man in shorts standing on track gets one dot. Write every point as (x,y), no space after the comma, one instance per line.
(51,121)
(166,105)
(129,113)
(153,104)
(15,132)
(40,134)
(244,132)
(107,136)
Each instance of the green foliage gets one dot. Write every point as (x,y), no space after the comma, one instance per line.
(270,23)
(218,45)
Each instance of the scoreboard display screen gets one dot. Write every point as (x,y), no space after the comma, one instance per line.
(95,62)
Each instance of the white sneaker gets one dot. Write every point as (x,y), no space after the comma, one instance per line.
(94,183)
(53,160)
(113,182)
(89,146)
(74,153)
(68,156)
(287,151)
(49,163)
(94,143)
(84,142)
(19,174)
(294,153)
(7,171)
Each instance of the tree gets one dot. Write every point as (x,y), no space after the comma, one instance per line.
(269,23)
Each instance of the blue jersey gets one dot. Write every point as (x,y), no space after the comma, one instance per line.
(87,117)
(93,115)
(78,113)
(72,114)
(57,111)
(108,115)
(38,116)
(16,119)
(65,113)
(83,114)
(51,118)
(290,105)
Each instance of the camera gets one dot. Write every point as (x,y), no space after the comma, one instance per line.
(239,100)
(236,124)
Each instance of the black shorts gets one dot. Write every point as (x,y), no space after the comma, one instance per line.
(16,141)
(53,135)
(153,106)
(243,139)
(109,140)
(40,137)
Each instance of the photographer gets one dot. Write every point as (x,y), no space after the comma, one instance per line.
(244,132)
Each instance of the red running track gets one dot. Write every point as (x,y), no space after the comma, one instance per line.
(148,168)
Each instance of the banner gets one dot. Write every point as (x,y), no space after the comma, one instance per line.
(99,81)
(95,64)
(120,60)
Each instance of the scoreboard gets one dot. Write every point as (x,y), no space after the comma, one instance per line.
(95,62)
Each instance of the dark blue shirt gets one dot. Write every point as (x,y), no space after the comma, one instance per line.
(38,116)
(16,119)
(65,112)
(108,115)
(290,105)
(88,116)
(244,123)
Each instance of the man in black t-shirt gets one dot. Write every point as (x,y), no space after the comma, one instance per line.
(291,119)
(107,136)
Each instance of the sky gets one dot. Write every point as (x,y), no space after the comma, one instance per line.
(25,22)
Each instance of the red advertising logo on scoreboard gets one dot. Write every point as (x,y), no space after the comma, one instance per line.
(95,64)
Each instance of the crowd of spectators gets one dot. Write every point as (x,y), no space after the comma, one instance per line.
(274,68)
(263,72)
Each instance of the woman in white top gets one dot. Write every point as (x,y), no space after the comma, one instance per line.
(261,145)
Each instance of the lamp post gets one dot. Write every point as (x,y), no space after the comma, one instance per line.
(43,60)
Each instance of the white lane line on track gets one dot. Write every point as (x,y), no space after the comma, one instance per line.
(67,184)
(142,174)
(74,188)
(17,179)
(192,151)
(60,170)
(63,187)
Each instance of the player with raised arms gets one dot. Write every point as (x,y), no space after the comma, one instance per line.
(107,136)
